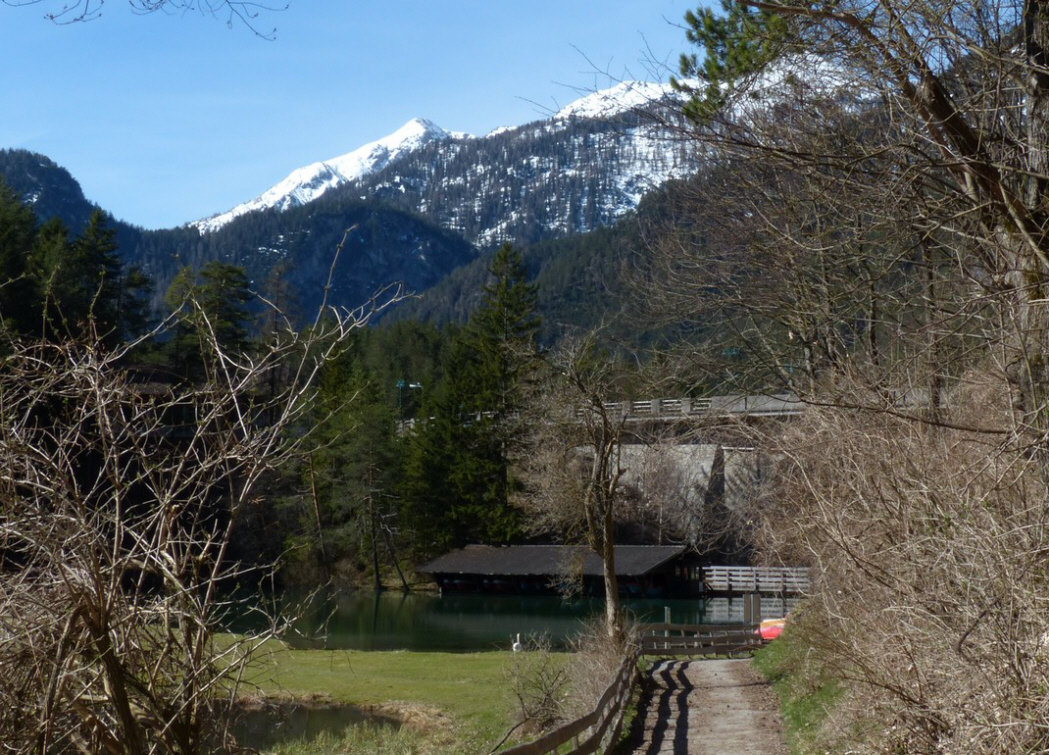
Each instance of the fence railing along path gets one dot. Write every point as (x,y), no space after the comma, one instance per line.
(698,639)
(599,730)
(595,732)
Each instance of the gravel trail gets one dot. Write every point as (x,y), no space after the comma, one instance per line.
(720,707)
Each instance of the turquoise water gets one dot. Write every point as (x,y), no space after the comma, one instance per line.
(457,623)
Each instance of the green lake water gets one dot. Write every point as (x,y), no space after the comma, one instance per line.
(466,623)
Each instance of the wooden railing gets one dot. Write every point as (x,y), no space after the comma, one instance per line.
(599,730)
(748,579)
(673,409)
(595,732)
(698,639)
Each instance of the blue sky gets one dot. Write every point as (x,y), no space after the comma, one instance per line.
(168,118)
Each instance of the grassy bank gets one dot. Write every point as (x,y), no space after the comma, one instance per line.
(452,702)
(805,697)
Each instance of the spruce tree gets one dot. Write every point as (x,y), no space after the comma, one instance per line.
(350,473)
(18,311)
(459,480)
(94,275)
(214,304)
(59,300)
(502,336)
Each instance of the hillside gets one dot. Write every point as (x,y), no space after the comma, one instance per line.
(579,169)
(586,280)
(423,202)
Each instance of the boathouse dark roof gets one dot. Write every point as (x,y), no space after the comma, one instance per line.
(541,560)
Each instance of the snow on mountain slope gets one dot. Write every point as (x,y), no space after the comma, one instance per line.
(306,184)
(622,98)
(582,167)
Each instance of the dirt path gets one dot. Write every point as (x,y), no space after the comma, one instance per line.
(719,707)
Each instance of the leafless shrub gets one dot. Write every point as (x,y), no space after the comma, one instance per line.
(538,679)
(929,550)
(118,497)
(596,658)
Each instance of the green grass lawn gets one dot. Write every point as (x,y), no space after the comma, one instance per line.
(469,688)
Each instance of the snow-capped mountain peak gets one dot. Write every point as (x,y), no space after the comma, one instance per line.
(307,183)
(593,172)
(622,98)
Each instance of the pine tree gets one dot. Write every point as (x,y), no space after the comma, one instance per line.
(214,304)
(350,474)
(459,476)
(18,313)
(502,334)
(94,277)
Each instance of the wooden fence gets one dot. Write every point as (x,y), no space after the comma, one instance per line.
(698,639)
(595,732)
(599,730)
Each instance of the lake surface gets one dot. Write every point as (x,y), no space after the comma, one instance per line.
(469,623)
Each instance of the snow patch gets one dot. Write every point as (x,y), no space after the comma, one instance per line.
(305,184)
(624,97)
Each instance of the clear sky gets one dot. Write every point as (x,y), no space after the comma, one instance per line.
(164,119)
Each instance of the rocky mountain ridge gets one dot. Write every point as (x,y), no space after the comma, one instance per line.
(579,169)
(422,202)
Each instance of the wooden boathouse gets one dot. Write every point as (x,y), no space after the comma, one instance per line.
(642,570)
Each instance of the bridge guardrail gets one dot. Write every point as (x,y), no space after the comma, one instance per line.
(762,579)
(683,408)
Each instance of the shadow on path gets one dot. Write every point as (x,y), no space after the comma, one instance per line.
(661,728)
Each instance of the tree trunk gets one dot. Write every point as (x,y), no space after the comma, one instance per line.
(375,541)
(1026,366)
(317,511)
(613,616)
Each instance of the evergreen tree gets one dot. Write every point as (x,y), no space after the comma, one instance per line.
(60,288)
(17,231)
(96,270)
(502,335)
(349,476)
(56,297)
(214,304)
(459,477)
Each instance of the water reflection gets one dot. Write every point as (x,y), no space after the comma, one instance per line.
(458,623)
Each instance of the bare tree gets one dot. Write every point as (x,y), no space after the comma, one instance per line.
(928,552)
(246,12)
(872,233)
(118,497)
(881,251)
(574,472)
